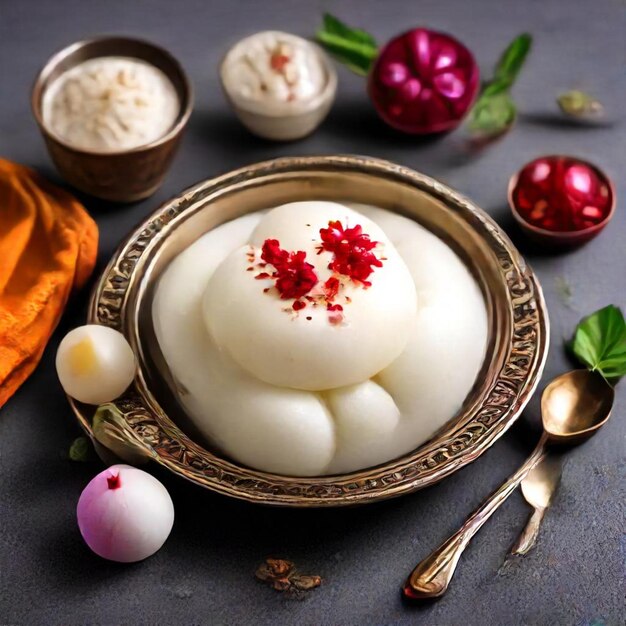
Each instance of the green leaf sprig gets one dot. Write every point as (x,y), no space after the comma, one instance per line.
(600,342)
(79,450)
(353,47)
(494,112)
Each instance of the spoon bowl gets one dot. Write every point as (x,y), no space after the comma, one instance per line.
(575,405)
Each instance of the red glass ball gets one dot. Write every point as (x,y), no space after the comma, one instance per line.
(423,82)
(561,199)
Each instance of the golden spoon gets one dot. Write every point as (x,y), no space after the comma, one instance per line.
(573,407)
(538,489)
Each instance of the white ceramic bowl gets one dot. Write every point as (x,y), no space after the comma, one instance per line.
(283,121)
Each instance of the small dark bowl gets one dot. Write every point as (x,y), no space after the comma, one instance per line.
(561,240)
(125,176)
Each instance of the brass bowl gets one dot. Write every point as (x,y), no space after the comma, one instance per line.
(125,176)
(554,239)
(147,422)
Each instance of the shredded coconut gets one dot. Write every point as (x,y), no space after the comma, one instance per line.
(110,104)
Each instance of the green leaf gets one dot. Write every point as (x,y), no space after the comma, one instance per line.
(337,27)
(600,342)
(353,47)
(510,63)
(494,112)
(79,450)
(492,115)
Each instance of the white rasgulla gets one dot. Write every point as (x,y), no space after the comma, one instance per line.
(267,339)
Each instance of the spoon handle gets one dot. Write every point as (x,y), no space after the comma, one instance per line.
(528,538)
(431,577)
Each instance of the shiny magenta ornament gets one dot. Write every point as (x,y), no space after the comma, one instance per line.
(424,82)
(561,200)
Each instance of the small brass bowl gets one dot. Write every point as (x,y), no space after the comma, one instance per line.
(555,239)
(125,176)
(148,421)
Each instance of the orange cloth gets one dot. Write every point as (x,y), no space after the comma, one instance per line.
(48,246)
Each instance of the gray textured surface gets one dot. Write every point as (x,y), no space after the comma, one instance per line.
(204,572)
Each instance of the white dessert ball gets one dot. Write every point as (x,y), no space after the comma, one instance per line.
(95,364)
(283,431)
(366,418)
(247,318)
(125,514)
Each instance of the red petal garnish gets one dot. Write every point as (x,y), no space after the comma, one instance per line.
(331,288)
(294,276)
(335,313)
(278,61)
(353,256)
(351,249)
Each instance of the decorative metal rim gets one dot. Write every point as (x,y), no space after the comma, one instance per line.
(147,432)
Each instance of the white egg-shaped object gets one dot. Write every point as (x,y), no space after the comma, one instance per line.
(95,364)
(304,349)
(125,514)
